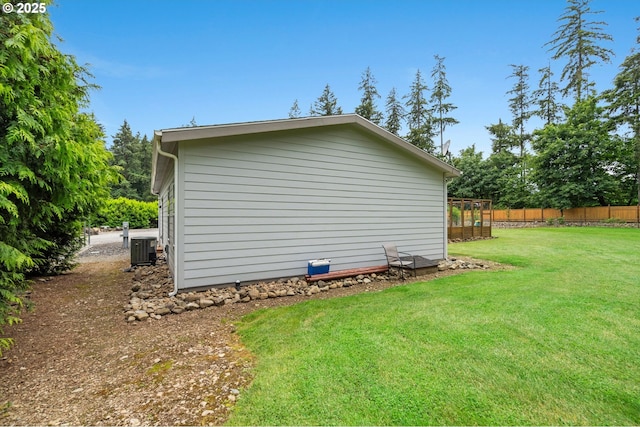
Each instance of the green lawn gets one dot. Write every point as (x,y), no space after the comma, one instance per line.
(555,341)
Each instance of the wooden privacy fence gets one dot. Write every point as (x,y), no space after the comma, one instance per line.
(468,218)
(590,214)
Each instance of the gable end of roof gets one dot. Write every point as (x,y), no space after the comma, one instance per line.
(168,139)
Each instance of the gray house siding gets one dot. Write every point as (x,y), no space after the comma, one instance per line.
(166,215)
(260,206)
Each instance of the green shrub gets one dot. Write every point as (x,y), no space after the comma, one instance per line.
(138,214)
(551,221)
(455,215)
(561,220)
(613,221)
(54,167)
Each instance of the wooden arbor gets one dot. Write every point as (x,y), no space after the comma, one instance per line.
(468,218)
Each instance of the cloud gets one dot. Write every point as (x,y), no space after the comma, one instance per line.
(122,70)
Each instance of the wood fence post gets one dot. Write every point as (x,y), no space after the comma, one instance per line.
(473,219)
(462,217)
(491,218)
(450,218)
(481,217)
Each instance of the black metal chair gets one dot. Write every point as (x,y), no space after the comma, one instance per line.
(394,260)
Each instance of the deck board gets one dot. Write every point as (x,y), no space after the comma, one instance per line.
(347,273)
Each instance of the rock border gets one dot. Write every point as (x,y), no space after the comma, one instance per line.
(149,295)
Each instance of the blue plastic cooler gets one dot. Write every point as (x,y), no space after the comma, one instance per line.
(318,266)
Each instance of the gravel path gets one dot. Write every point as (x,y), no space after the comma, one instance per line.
(76,361)
(113,239)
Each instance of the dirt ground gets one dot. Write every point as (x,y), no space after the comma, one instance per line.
(76,361)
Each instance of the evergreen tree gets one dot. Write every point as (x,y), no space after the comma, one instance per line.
(520,104)
(121,145)
(141,178)
(192,123)
(577,41)
(326,104)
(123,148)
(439,95)
(132,158)
(418,114)
(419,117)
(395,113)
(294,111)
(367,107)
(505,170)
(503,137)
(546,97)
(54,168)
(506,186)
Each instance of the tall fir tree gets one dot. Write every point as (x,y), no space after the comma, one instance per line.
(439,95)
(546,97)
(142,178)
(123,150)
(395,113)
(418,116)
(504,180)
(520,104)
(577,41)
(367,107)
(121,145)
(326,104)
(506,185)
(503,137)
(294,111)
(132,158)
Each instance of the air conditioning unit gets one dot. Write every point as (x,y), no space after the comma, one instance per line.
(143,250)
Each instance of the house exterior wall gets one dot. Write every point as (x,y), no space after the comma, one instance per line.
(260,206)
(166,215)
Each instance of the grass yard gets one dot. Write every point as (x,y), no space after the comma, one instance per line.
(555,341)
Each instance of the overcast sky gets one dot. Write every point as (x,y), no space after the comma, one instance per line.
(161,63)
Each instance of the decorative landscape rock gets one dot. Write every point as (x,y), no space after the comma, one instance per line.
(459,264)
(149,296)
